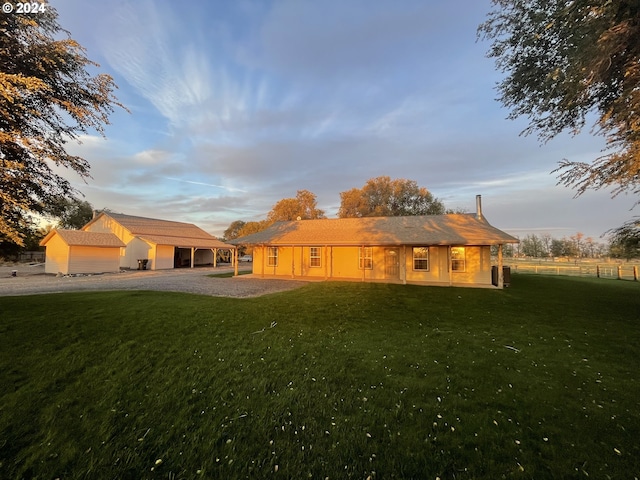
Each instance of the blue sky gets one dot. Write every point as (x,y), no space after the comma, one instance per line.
(235,105)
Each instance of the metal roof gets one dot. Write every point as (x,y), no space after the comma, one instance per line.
(85,239)
(452,229)
(166,232)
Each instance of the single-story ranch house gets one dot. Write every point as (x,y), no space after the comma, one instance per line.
(450,249)
(162,244)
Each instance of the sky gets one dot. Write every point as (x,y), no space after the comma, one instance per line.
(234,105)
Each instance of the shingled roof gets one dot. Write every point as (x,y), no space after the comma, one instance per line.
(453,229)
(166,232)
(84,239)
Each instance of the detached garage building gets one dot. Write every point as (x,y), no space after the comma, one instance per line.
(114,241)
(76,251)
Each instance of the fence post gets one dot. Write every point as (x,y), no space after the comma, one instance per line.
(598,271)
(619,272)
(635,273)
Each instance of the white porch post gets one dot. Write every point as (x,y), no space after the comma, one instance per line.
(500,268)
(215,257)
(450,265)
(193,257)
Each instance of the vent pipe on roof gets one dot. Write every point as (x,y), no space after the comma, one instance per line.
(479,207)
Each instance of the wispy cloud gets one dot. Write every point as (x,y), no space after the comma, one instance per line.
(230,189)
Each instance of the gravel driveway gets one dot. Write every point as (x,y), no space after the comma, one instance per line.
(32,280)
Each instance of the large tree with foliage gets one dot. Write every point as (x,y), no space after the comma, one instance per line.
(72,213)
(47,98)
(384,197)
(566,61)
(303,206)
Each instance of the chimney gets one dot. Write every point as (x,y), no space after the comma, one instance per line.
(479,207)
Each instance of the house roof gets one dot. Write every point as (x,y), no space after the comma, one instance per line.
(453,229)
(165,232)
(85,239)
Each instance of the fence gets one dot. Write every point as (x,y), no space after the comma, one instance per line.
(617,271)
(31,257)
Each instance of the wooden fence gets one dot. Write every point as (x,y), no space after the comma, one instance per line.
(616,271)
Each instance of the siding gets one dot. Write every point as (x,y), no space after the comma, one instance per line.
(343,263)
(57,256)
(93,259)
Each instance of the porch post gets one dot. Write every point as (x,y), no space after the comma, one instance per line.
(215,257)
(234,259)
(193,257)
(326,262)
(293,262)
(450,265)
(500,268)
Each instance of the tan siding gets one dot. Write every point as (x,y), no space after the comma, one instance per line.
(93,259)
(57,256)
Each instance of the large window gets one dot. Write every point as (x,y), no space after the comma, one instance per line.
(458,262)
(366,258)
(272,256)
(421,258)
(314,257)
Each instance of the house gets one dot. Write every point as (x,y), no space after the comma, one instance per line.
(450,249)
(75,251)
(163,243)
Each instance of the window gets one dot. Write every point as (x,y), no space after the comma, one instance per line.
(272,256)
(314,256)
(366,258)
(421,258)
(458,263)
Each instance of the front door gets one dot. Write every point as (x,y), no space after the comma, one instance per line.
(392,263)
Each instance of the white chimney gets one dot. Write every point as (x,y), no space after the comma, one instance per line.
(479,207)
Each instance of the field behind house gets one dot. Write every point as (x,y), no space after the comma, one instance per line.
(332,380)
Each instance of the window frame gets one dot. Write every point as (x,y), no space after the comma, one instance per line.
(272,256)
(459,265)
(315,258)
(425,258)
(365,262)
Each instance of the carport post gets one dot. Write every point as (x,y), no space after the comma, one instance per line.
(193,257)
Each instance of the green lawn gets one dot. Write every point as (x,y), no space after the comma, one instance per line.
(333,380)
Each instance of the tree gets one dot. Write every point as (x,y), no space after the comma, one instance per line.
(625,240)
(233,231)
(532,246)
(303,206)
(383,197)
(564,61)
(72,213)
(47,98)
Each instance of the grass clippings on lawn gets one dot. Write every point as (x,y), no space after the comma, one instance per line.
(337,380)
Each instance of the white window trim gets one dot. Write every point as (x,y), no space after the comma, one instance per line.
(420,258)
(312,257)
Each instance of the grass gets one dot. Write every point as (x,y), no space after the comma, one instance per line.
(334,380)
(229,274)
